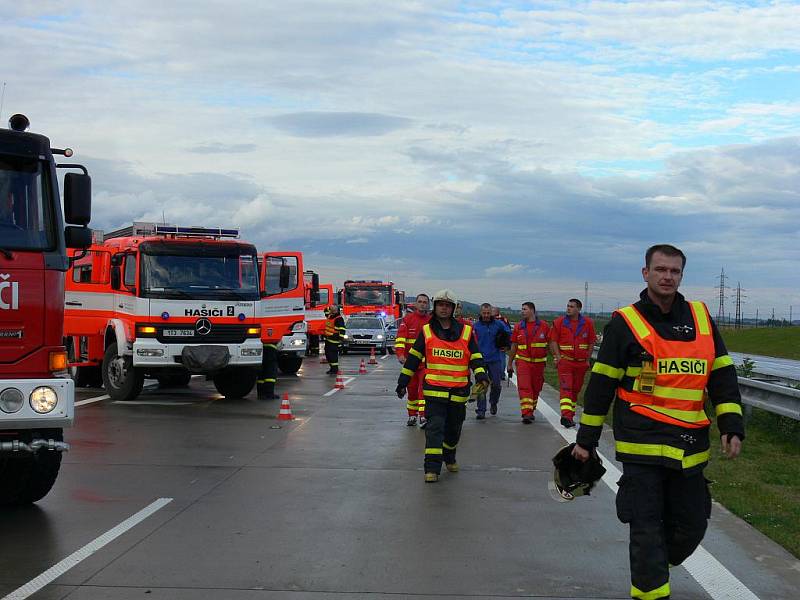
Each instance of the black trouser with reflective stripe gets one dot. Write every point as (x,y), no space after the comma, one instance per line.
(269,371)
(668,514)
(332,355)
(443,431)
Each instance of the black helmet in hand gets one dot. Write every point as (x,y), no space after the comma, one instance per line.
(573,478)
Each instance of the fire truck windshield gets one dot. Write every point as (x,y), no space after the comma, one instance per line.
(367,295)
(26,221)
(204,276)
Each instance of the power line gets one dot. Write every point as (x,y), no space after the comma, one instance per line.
(722,288)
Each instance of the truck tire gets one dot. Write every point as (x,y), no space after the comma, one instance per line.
(121,379)
(235,383)
(290,365)
(26,478)
(172,378)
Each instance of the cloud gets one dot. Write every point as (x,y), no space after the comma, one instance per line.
(218,148)
(330,124)
(504,270)
(361,240)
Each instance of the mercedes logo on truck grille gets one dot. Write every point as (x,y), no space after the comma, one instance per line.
(202,326)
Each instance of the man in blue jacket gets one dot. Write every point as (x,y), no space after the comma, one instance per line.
(487,330)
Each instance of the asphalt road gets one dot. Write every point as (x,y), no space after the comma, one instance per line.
(332,505)
(769,365)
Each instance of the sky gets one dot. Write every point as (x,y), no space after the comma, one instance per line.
(510,151)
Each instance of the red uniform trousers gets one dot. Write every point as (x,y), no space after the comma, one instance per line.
(530,379)
(416,400)
(571,374)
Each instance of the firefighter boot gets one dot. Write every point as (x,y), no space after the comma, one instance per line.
(266,390)
(411,421)
(451,467)
(431,477)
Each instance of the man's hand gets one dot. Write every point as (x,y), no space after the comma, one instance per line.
(510,370)
(401,359)
(731,445)
(401,391)
(580,453)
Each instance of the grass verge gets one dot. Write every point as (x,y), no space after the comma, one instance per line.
(783,342)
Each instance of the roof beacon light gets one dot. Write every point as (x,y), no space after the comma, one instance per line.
(18,122)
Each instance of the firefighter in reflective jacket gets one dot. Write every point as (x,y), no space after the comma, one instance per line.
(407,333)
(529,349)
(661,358)
(572,338)
(265,384)
(334,332)
(450,351)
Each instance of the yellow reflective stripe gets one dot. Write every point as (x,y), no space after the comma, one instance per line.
(522,346)
(411,405)
(594,420)
(656,594)
(538,345)
(674,393)
(408,372)
(583,346)
(433,378)
(435,394)
(416,353)
(448,367)
(608,370)
(721,361)
(467,332)
(566,346)
(461,399)
(400,340)
(526,359)
(638,324)
(426,329)
(480,370)
(433,450)
(700,313)
(448,446)
(476,355)
(633,371)
(665,451)
(728,408)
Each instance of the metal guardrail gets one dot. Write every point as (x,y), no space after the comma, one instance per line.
(777,399)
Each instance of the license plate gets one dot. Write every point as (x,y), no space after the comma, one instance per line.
(178,332)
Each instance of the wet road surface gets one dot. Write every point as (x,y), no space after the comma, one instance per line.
(333,505)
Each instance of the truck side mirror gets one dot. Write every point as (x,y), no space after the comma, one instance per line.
(285,276)
(77,237)
(116,276)
(77,199)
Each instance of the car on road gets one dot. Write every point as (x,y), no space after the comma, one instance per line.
(365,331)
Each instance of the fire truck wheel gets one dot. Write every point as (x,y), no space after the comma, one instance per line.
(289,365)
(27,478)
(121,380)
(174,378)
(235,383)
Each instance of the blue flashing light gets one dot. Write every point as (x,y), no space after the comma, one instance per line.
(241,317)
(165,315)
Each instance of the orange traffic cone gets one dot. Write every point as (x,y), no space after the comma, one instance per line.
(372,360)
(339,382)
(362,368)
(286,409)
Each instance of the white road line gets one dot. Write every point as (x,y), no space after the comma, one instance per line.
(385,356)
(149,386)
(706,570)
(76,557)
(334,390)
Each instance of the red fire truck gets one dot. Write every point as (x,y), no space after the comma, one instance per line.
(37,399)
(316,304)
(165,302)
(372,297)
(281,311)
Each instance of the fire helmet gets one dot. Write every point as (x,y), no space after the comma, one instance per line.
(573,478)
(445,296)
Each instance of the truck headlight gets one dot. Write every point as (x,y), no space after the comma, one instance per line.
(11,400)
(346,337)
(43,399)
(379,337)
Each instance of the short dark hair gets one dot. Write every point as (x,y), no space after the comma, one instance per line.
(486,305)
(576,301)
(530,305)
(423,294)
(667,249)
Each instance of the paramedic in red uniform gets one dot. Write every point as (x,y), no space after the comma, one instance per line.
(410,328)
(529,349)
(572,338)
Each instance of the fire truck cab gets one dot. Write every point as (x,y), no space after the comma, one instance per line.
(372,296)
(160,301)
(281,311)
(316,305)
(37,399)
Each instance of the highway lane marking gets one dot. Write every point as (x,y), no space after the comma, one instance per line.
(147,386)
(384,357)
(707,571)
(334,390)
(57,570)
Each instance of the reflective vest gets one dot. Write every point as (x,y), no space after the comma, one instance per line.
(671,387)
(534,347)
(447,363)
(573,345)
